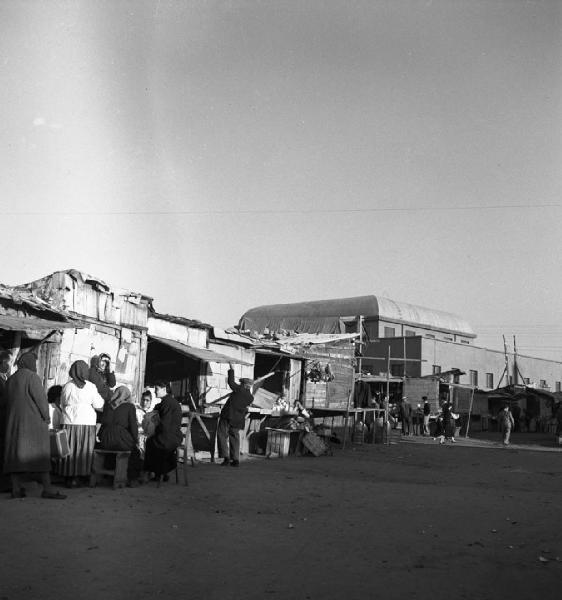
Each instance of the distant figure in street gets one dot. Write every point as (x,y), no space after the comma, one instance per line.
(506,423)
(161,448)
(440,428)
(27,445)
(418,420)
(448,420)
(232,418)
(426,413)
(406,416)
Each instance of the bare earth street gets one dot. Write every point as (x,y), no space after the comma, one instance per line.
(399,521)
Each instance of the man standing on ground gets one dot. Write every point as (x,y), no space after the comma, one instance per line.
(232,418)
(406,414)
(426,414)
(506,423)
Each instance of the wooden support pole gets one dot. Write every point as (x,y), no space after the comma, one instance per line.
(469,413)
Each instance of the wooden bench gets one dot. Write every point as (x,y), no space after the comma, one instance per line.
(119,472)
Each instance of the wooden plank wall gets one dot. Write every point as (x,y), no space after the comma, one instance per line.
(332,394)
(126,348)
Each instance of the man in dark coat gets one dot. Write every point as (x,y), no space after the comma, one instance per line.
(232,419)
(426,415)
(406,414)
(27,447)
(5,356)
(448,420)
(161,448)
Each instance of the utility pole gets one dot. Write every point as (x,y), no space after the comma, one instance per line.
(515,369)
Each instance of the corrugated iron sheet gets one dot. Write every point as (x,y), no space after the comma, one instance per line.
(14,323)
(198,353)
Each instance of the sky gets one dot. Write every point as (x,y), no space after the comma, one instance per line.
(218,156)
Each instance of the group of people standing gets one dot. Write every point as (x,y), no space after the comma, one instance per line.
(93,412)
(417,421)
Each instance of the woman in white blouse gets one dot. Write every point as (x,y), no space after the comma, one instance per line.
(79,401)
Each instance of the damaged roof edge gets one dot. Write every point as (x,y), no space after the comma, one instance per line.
(181,320)
(82,277)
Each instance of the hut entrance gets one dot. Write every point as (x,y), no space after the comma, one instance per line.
(182,371)
(266,363)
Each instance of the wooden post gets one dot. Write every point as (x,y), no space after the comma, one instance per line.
(387,398)
(360,332)
(347,417)
(469,413)
(15,350)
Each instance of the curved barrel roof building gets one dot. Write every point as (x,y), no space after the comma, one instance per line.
(380,315)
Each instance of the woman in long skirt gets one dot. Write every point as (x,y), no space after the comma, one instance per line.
(79,402)
(27,448)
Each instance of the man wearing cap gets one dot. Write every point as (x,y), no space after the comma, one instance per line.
(232,419)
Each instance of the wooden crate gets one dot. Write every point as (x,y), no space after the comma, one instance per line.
(278,442)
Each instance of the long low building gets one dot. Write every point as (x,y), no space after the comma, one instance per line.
(419,341)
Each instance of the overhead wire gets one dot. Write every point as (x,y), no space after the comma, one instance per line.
(276,211)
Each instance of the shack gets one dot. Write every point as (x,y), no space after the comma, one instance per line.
(179,352)
(30,323)
(99,318)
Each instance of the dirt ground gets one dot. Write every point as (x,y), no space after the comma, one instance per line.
(399,521)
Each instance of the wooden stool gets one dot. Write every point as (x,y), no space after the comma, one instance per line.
(119,473)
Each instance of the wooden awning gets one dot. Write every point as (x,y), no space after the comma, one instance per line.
(203,354)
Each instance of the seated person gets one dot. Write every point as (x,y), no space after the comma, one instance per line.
(142,411)
(119,430)
(55,412)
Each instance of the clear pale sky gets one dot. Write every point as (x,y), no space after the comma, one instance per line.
(222,155)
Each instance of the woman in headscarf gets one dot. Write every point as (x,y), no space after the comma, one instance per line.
(79,402)
(101,376)
(161,448)
(27,446)
(119,430)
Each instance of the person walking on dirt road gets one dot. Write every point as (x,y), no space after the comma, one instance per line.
(506,423)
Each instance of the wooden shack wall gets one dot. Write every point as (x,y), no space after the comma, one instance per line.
(117,307)
(215,378)
(190,336)
(126,347)
(331,394)
(295,380)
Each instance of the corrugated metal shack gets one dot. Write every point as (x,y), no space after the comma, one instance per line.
(107,319)
(179,352)
(30,323)
(316,369)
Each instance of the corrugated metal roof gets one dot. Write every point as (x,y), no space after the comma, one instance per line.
(199,353)
(14,323)
(181,321)
(322,315)
(26,300)
(419,315)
